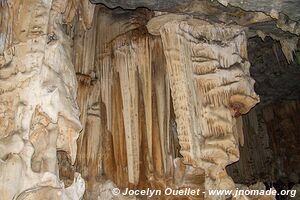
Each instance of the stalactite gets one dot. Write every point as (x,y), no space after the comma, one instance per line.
(84,83)
(197,51)
(145,75)
(86,11)
(162,90)
(253,165)
(135,79)
(106,88)
(72,70)
(129,89)
(118,25)
(119,156)
(92,150)
(87,98)
(288,47)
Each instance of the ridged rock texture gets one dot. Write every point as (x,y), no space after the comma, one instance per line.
(39,113)
(93,98)
(274,156)
(142,103)
(211,87)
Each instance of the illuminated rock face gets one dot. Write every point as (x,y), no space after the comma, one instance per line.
(39,113)
(156,108)
(211,87)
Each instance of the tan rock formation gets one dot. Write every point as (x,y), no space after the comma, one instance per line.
(211,86)
(39,113)
(151,100)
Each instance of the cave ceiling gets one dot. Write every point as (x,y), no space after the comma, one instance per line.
(263,15)
(288,7)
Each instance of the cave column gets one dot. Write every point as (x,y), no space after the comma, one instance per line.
(211,87)
(38,86)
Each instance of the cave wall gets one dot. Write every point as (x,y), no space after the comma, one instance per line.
(39,113)
(270,152)
(129,135)
(127,98)
(282,121)
(256,160)
(134,103)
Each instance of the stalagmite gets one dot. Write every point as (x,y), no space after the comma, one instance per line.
(210,83)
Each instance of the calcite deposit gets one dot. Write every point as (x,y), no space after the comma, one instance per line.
(144,94)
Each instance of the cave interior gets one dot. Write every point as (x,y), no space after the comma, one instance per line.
(104,94)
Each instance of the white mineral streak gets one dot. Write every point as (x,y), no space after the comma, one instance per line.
(39,114)
(211,86)
(106,84)
(127,68)
(223,2)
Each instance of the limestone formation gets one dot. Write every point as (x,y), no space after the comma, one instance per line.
(93,98)
(39,113)
(211,86)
